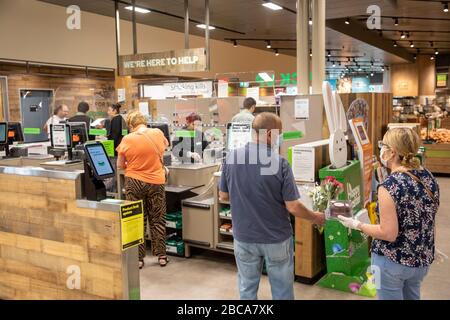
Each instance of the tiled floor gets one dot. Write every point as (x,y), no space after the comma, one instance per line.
(209,275)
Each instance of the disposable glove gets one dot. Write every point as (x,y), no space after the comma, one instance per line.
(350,223)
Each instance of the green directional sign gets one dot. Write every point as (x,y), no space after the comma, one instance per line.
(185,134)
(97,132)
(31,131)
(291,135)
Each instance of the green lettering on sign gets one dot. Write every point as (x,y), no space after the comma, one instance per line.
(185,134)
(32,130)
(97,132)
(109,147)
(291,135)
(124,132)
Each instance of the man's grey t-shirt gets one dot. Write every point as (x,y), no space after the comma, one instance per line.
(257,194)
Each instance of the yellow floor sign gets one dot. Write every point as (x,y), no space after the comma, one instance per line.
(132,224)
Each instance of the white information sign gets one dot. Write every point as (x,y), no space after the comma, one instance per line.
(302,109)
(59,136)
(303,163)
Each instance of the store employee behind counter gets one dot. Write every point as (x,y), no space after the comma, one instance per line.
(189,149)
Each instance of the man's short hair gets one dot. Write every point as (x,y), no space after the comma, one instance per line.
(83,107)
(249,103)
(266,121)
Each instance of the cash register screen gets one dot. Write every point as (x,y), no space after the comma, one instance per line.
(238,135)
(99,160)
(3,133)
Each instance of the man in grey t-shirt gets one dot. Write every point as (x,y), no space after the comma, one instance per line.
(260,186)
(246,114)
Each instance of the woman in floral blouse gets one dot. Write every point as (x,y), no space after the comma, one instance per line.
(403,246)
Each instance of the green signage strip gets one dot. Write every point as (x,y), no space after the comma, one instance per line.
(109,147)
(185,134)
(437,154)
(97,132)
(291,135)
(32,130)
(124,132)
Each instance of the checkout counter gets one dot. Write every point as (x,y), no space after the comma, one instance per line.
(55,244)
(49,235)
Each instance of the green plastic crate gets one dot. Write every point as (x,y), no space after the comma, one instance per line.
(175,245)
(174,220)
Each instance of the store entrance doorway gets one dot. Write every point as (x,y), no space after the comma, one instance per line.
(35,108)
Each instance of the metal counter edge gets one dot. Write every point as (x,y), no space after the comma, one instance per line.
(40,172)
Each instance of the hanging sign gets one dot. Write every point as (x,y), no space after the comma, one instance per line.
(185,60)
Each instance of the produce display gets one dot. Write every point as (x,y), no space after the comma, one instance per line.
(438,135)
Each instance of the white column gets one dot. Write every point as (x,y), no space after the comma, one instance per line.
(318,45)
(303,47)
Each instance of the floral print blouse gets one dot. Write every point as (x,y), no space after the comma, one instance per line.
(416,211)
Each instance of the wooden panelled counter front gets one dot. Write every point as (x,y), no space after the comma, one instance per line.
(47,240)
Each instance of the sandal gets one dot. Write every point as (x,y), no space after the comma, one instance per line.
(141,264)
(163,261)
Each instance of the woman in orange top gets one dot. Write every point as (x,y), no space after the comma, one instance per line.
(140,154)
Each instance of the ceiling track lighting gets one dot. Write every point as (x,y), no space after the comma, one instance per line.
(432,58)
(431,44)
(310,22)
(329,53)
(347,21)
(268,46)
(310,52)
(276,52)
(415,56)
(445,7)
(436,52)
(396,21)
(235,44)
(411,44)
(403,35)
(395,44)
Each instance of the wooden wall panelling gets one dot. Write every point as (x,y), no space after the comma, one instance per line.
(39,239)
(98,93)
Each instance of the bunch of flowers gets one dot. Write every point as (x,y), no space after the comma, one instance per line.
(328,190)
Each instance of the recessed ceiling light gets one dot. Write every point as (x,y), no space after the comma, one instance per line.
(347,21)
(137,9)
(272,6)
(203,26)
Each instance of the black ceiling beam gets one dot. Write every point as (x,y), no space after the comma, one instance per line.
(177,16)
(364,18)
(359,31)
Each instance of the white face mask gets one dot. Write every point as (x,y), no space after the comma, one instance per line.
(384,162)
